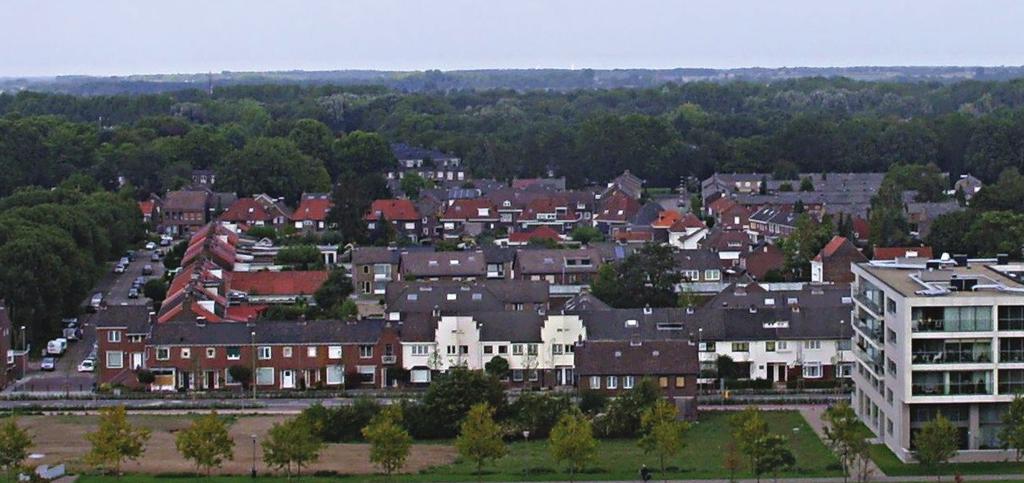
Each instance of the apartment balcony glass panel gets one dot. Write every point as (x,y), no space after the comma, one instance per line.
(921,414)
(874,358)
(933,351)
(1011,317)
(951,319)
(1011,381)
(870,296)
(1011,349)
(951,383)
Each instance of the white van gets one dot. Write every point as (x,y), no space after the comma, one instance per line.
(96,301)
(57,346)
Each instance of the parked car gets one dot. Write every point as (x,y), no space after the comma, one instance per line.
(165,240)
(147,270)
(48,364)
(57,346)
(150,246)
(119,268)
(125,261)
(130,255)
(155,257)
(72,333)
(96,301)
(87,365)
(133,293)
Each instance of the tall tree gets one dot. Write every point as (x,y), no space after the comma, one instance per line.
(748,426)
(293,442)
(572,440)
(389,442)
(480,437)
(936,443)
(770,454)
(804,243)
(352,198)
(647,277)
(845,437)
(115,440)
(363,152)
(206,442)
(274,166)
(314,139)
(889,225)
(662,431)
(1012,433)
(14,444)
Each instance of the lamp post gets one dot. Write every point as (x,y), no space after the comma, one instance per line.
(839,348)
(253,455)
(24,353)
(700,348)
(253,334)
(526,463)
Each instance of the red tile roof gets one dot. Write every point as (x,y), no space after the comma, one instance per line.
(146,207)
(720,205)
(541,232)
(245,312)
(246,210)
(666,219)
(759,261)
(891,253)
(278,283)
(632,236)
(688,220)
(470,210)
(392,210)
(618,207)
(312,210)
(831,247)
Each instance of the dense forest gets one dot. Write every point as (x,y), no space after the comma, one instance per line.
(660,133)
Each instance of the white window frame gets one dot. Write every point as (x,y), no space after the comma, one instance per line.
(264,370)
(186,352)
(612,382)
(816,370)
(334,352)
(236,357)
(163,353)
(120,359)
(286,351)
(365,351)
(595,382)
(311,351)
(264,352)
(628,382)
(338,372)
(211,352)
(420,350)
(114,336)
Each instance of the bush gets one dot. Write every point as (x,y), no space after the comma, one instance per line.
(593,402)
(538,412)
(144,376)
(813,384)
(260,232)
(341,424)
(450,396)
(623,417)
(242,374)
(748,384)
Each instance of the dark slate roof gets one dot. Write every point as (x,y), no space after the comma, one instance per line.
(655,324)
(496,254)
(613,252)
(699,259)
(134,318)
(443,264)
(647,214)
(809,296)
(365,255)
(584,302)
(460,297)
(366,331)
(509,326)
(418,327)
(645,358)
(549,261)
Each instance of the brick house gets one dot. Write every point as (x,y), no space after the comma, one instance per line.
(311,214)
(560,267)
(121,332)
(401,214)
(286,355)
(184,211)
(373,268)
(832,264)
(613,367)
(468,217)
(261,210)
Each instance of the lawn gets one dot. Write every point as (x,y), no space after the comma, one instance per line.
(892,466)
(615,459)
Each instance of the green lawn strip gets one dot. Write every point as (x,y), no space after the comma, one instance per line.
(615,459)
(892,466)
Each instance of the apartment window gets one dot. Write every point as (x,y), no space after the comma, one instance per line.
(769,346)
(891,366)
(556,349)
(286,352)
(365,351)
(680,381)
(420,350)
(890,336)
(488,349)
(211,352)
(311,351)
(888,395)
(844,369)
(741,347)
(264,376)
(812,370)
(335,375)
(186,353)
(531,349)
(234,353)
(451,350)
(114,336)
(663,382)
(613,382)
(595,382)
(812,344)
(366,374)
(263,352)
(517,349)
(115,359)
(334,352)
(627,382)
(502,349)
(888,426)
(517,375)
(890,305)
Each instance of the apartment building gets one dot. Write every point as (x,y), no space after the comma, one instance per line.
(937,337)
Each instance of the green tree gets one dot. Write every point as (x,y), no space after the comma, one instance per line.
(770,453)
(480,437)
(14,445)
(314,139)
(155,289)
(115,440)
(389,442)
(572,440)
(206,442)
(804,243)
(845,437)
(241,374)
(662,432)
(497,367)
(412,184)
(293,442)
(747,427)
(1012,433)
(936,443)
(274,166)
(647,277)
(586,235)
(624,414)
(352,198)
(888,223)
(335,289)
(452,394)
(300,257)
(363,152)
(806,184)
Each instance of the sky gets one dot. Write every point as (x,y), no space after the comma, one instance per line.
(112,37)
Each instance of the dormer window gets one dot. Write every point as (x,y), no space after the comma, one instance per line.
(632,323)
(482,211)
(453,262)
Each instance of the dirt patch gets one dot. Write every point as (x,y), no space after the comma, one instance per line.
(62,440)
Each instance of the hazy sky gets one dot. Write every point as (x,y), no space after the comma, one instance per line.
(46,37)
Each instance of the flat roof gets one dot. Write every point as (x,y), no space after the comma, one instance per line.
(911,276)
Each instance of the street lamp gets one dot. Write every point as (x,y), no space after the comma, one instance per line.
(24,353)
(253,455)
(253,334)
(526,464)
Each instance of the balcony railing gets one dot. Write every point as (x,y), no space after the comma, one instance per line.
(388,359)
(868,302)
(871,328)
(950,357)
(951,389)
(1011,356)
(873,358)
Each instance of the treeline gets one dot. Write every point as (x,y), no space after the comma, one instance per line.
(54,245)
(992,224)
(660,133)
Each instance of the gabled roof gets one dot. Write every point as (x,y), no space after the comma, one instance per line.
(147,207)
(666,219)
(133,318)
(312,209)
(504,326)
(443,264)
(688,221)
(839,246)
(539,233)
(762,259)
(278,283)
(404,151)
(469,209)
(675,357)
(462,297)
(633,236)
(617,208)
(892,253)
(392,210)
(699,259)
(552,261)
(186,200)
(366,331)
(246,210)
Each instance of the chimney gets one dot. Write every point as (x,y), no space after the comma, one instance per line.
(1002,258)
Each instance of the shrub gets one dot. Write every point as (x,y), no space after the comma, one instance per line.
(623,417)
(593,402)
(538,412)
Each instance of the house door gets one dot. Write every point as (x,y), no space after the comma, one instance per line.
(136,360)
(211,379)
(287,379)
(778,372)
(564,376)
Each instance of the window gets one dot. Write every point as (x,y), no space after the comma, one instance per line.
(488,349)
(234,353)
(595,382)
(812,370)
(264,376)
(712,275)
(263,352)
(365,351)
(707,346)
(517,349)
(311,351)
(556,349)
(531,349)
(812,344)
(517,375)
(463,349)
(888,426)
(888,395)
(844,370)
(502,349)
(420,350)
(680,381)
(890,336)
(769,346)
(334,352)
(890,305)
(628,382)
(691,275)
(186,353)
(781,345)
(115,359)
(114,336)
(613,382)
(741,347)
(419,376)
(335,375)
(534,375)
(450,350)
(211,352)
(366,374)
(891,366)
(663,382)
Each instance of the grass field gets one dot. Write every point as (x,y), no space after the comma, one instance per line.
(892,466)
(615,459)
